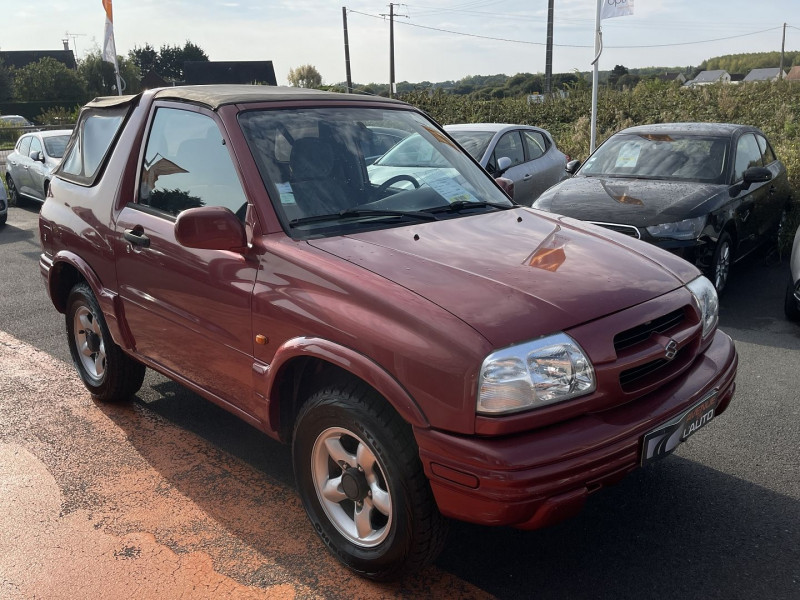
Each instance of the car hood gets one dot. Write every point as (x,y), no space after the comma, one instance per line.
(639,202)
(517,274)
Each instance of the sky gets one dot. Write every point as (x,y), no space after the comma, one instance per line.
(435,40)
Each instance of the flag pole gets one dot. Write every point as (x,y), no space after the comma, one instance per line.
(598,49)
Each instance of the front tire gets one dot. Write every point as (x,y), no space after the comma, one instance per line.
(107,372)
(13,194)
(362,484)
(721,262)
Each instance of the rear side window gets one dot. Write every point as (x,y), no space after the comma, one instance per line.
(535,143)
(90,144)
(766,150)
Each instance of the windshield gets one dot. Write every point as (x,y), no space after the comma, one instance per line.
(314,166)
(660,156)
(474,142)
(55,145)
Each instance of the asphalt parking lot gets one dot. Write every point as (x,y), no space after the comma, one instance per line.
(170,497)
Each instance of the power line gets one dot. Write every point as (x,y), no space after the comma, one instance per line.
(497,39)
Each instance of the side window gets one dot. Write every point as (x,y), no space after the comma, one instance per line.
(186,165)
(535,143)
(748,154)
(766,150)
(23,146)
(509,145)
(36,145)
(92,141)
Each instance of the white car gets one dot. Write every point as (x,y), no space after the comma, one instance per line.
(792,302)
(532,160)
(34,157)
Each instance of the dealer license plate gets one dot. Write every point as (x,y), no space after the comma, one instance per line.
(663,440)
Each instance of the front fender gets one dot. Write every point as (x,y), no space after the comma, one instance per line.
(349,360)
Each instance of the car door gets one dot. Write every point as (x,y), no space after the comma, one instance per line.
(18,164)
(510,145)
(778,193)
(545,171)
(188,309)
(751,203)
(37,171)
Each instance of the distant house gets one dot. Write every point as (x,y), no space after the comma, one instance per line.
(772,74)
(153,80)
(737,77)
(709,78)
(21,58)
(234,71)
(794,74)
(672,76)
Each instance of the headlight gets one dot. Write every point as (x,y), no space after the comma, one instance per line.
(707,301)
(688,229)
(534,374)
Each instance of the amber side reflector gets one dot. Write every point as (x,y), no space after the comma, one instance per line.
(261,339)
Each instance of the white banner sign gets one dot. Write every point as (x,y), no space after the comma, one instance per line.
(616,8)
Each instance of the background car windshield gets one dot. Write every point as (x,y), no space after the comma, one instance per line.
(312,163)
(660,156)
(55,145)
(474,142)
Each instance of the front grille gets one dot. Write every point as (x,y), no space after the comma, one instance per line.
(640,333)
(631,379)
(620,228)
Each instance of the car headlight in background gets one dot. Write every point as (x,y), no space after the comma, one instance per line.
(534,374)
(707,301)
(688,229)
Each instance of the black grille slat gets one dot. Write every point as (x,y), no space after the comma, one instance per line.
(640,333)
(631,375)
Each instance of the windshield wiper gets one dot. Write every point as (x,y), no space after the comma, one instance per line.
(460,205)
(364,212)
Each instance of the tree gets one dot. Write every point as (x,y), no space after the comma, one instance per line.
(99,75)
(6,90)
(616,74)
(168,61)
(305,76)
(48,79)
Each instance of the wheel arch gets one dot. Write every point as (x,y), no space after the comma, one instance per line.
(302,365)
(68,269)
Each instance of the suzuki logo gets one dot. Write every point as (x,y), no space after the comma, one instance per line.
(671,350)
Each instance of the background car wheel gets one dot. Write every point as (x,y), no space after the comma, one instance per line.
(107,372)
(362,484)
(721,262)
(13,195)
(790,305)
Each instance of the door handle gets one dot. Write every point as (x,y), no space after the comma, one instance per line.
(527,176)
(137,237)
(772,189)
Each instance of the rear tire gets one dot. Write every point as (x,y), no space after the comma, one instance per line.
(790,304)
(13,194)
(107,372)
(362,484)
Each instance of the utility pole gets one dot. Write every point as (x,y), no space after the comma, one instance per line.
(347,52)
(783,46)
(391,50)
(391,16)
(548,62)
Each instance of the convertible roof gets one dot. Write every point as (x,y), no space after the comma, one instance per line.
(215,96)
(690,128)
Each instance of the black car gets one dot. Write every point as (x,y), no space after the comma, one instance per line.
(709,192)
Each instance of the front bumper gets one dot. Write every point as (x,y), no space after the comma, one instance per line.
(541,477)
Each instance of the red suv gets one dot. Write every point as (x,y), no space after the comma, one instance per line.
(428,347)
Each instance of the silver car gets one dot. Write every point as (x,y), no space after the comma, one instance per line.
(29,166)
(526,155)
(792,302)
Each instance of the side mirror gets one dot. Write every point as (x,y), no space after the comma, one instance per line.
(506,185)
(36,155)
(756,175)
(503,165)
(210,228)
(572,166)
